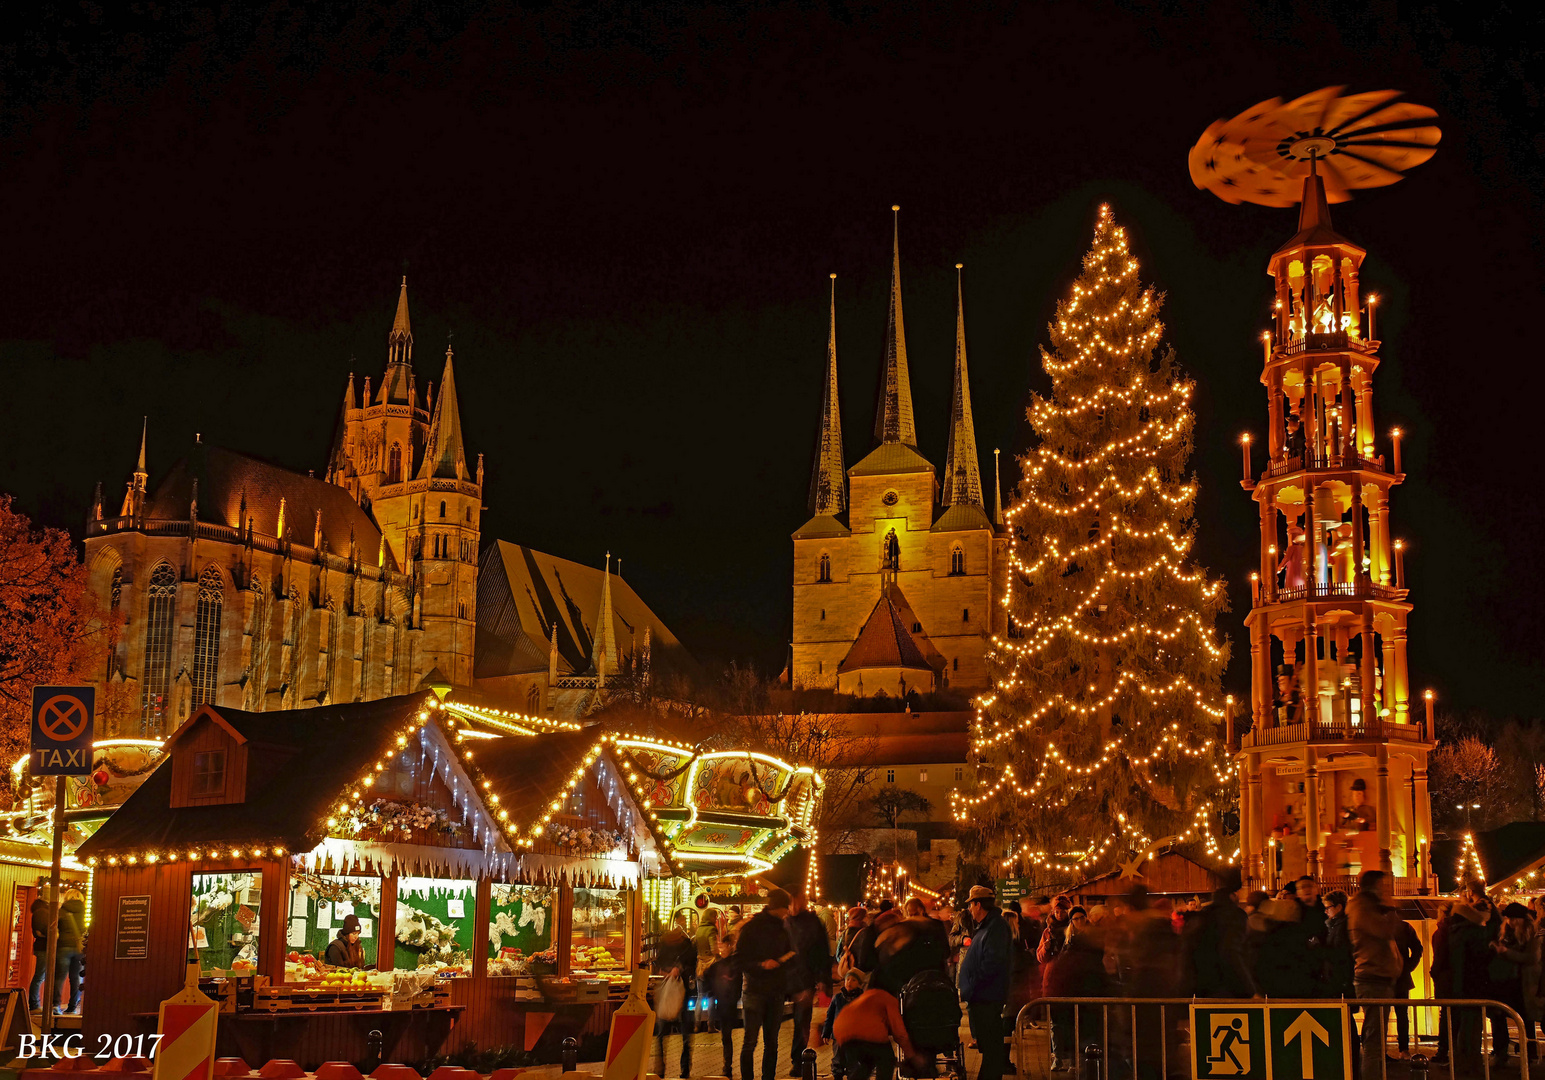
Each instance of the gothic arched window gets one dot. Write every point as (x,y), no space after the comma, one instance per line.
(257,672)
(533,700)
(162,607)
(957,560)
(115,588)
(394,464)
(206,636)
(826,567)
(442,507)
(890,552)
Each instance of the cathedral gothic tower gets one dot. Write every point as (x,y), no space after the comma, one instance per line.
(403,459)
(897,577)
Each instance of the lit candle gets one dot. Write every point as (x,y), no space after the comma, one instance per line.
(1400,564)
(1373,302)
(1429,697)
(1396,435)
(1244,448)
(1266,344)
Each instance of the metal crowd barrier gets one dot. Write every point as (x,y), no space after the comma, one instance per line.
(1139,1021)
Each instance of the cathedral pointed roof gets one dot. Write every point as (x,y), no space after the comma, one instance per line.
(397,384)
(338,464)
(893,420)
(962,469)
(144,436)
(829,481)
(884,642)
(604,656)
(445,455)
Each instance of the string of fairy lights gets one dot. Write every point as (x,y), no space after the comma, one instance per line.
(1122,478)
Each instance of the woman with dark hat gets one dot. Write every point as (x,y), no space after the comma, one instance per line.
(345,951)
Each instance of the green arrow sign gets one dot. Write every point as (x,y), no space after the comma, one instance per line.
(1310,1042)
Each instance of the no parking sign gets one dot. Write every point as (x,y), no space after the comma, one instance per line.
(63,728)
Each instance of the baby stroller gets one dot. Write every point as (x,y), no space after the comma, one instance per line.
(930,1009)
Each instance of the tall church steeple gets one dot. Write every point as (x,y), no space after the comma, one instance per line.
(445,455)
(397,383)
(829,482)
(893,419)
(604,658)
(962,470)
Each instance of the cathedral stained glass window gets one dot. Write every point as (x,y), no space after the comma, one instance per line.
(206,636)
(161,608)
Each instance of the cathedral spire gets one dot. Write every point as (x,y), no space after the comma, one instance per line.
(144,435)
(997,487)
(134,498)
(893,419)
(828,484)
(444,455)
(603,648)
(962,471)
(396,384)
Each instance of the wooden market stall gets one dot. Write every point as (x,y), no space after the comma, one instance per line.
(490,861)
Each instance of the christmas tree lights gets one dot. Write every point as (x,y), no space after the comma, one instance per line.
(1101,732)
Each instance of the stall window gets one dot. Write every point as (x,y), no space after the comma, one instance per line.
(435,927)
(209,772)
(600,936)
(319,904)
(520,930)
(224,921)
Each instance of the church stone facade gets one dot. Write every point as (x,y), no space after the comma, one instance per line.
(251,586)
(900,572)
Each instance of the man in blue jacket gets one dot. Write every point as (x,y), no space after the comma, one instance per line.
(984,978)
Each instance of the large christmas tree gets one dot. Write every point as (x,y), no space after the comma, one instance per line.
(1103,728)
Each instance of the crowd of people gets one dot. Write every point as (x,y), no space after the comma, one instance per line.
(899,980)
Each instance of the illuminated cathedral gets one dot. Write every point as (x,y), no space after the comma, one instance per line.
(900,572)
(247,585)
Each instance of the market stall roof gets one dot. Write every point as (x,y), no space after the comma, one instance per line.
(308,756)
(1500,858)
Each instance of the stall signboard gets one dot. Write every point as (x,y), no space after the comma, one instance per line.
(132,941)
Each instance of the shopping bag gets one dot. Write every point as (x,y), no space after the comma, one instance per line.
(669,999)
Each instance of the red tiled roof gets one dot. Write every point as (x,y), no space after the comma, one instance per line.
(904,738)
(884,642)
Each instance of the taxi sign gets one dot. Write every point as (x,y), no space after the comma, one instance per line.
(63,728)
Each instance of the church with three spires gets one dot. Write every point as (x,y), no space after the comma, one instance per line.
(900,573)
(247,585)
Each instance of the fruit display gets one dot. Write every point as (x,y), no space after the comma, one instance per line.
(595,958)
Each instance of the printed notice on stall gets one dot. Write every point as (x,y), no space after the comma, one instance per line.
(297,936)
(298,904)
(133,941)
(343,909)
(324,916)
(365,929)
(455,908)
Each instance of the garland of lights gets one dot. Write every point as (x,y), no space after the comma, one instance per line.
(1091,467)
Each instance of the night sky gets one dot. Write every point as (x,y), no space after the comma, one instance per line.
(626,216)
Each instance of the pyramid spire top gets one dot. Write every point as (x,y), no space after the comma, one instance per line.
(828,482)
(893,419)
(445,455)
(962,471)
(604,658)
(144,435)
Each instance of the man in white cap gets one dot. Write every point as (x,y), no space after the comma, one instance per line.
(984,978)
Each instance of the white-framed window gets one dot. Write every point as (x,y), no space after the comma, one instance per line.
(890,776)
(959,774)
(922,776)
